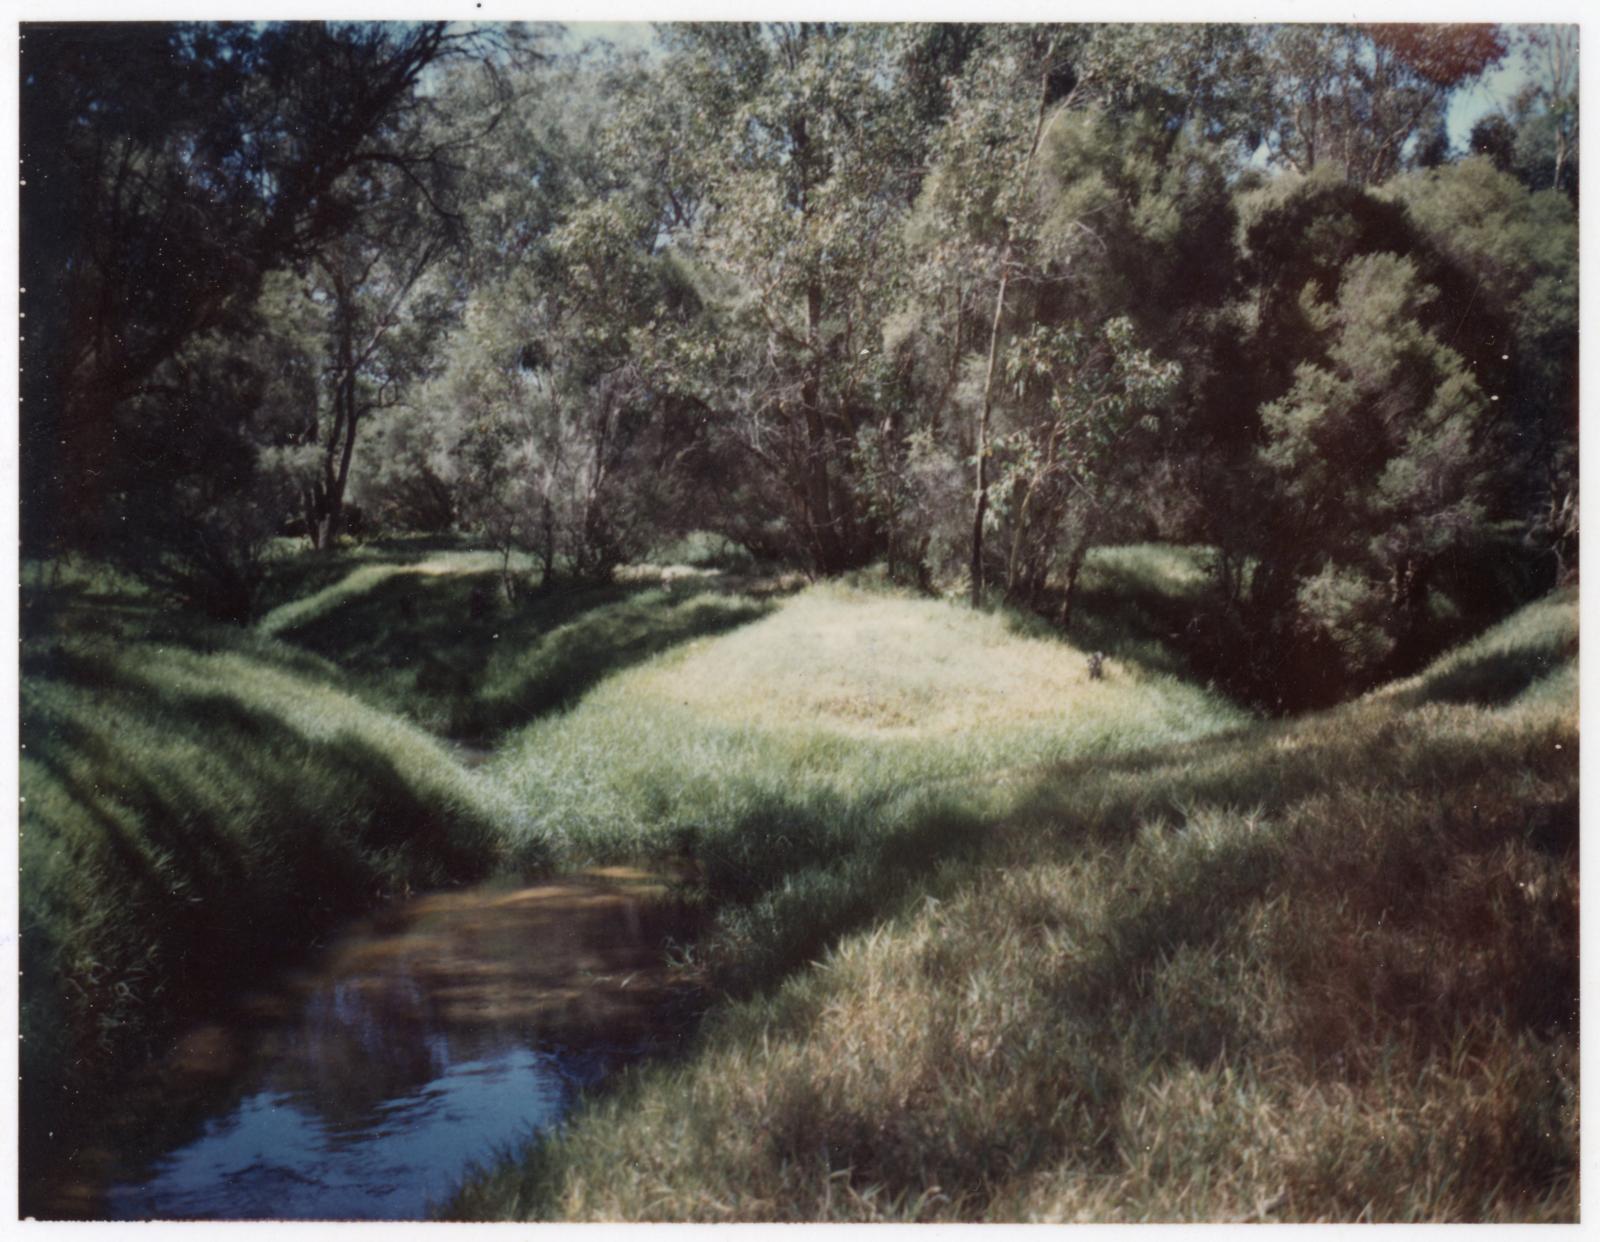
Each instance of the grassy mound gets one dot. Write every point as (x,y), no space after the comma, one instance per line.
(1323,969)
(810,766)
(437,642)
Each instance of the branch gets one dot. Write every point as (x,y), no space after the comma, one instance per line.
(404,165)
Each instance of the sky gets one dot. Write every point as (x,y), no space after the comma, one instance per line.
(1485,96)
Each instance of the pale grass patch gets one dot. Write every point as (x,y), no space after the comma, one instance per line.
(885,666)
(666,574)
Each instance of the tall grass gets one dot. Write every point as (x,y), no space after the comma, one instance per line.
(198,804)
(202,802)
(987,938)
(1314,970)
(438,643)
(809,765)
(1134,602)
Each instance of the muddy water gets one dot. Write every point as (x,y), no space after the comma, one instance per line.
(458,1025)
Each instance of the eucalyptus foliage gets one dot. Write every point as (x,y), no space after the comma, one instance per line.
(965,299)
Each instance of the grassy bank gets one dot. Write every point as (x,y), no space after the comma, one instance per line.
(1323,969)
(808,767)
(987,938)
(437,642)
(198,804)
(201,803)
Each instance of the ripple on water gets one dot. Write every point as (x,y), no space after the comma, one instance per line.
(463,1025)
(275,1157)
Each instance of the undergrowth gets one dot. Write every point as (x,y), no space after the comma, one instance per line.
(198,804)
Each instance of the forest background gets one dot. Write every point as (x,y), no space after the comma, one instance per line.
(967,301)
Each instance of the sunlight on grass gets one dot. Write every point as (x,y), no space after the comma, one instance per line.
(445,648)
(1164,567)
(987,939)
(364,578)
(1531,652)
(840,696)
(1305,970)
(883,666)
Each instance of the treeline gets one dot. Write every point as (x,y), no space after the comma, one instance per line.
(964,300)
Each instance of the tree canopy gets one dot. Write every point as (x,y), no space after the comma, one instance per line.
(962,299)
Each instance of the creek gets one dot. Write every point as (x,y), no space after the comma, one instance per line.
(422,1042)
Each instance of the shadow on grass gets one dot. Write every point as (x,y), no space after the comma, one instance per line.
(211,844)
(1249,916)
(1490,680)
(790,878)
(1131,621)
(1121,611)
(1391,887)
(1357,894)
(273,837)
(450,652)
(109,616)
(303,572)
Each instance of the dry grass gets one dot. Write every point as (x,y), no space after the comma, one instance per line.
(1318,970)
(884,666)
(992,941)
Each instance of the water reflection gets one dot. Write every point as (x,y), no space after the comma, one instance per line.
(456,1027)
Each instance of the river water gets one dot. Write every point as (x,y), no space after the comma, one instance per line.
(363,1087)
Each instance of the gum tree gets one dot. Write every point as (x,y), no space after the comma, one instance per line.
(1003,240)
(1082,397)
(792,159)
(1364,99)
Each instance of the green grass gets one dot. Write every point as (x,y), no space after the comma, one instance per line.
(411,642)
(1323,969)
(309,587)
(198,804)
(296,575)
(1133,602)
(704,550)
(809,766)
(201,802)
(1531,654)
(983,938)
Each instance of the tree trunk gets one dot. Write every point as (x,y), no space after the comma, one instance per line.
(547,553)
(1022,498)
(1408,606)
(342,442)
(980,502)
(821,520)
(309,511)
(342,479)
(508,581)
(1080,552)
